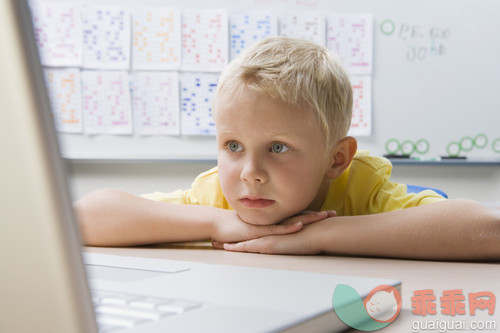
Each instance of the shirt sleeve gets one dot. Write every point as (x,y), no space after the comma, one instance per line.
(371,191)
(205,191)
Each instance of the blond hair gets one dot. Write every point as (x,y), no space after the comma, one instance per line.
(298,72)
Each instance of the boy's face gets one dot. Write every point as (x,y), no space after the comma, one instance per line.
(272,157)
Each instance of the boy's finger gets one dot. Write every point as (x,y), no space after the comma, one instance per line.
(305,217)
(317,216)
(331,213)
(308,217)
(314,217)
(217,245)
(261,245)
(276,229)
(240,247)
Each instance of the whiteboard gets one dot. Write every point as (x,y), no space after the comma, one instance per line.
(435,79)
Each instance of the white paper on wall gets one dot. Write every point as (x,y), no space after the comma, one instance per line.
(58,33)
(106,102)
(106,37)
(156,103)
(197,92)
(63,86)
(156,39)
(205,40)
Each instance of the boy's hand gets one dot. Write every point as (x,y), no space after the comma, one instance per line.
(304,242)
(300,243)
(229,228)
(308,217)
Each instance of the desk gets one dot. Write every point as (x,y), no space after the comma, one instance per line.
(415,275)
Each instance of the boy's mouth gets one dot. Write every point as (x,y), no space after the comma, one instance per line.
(256,202)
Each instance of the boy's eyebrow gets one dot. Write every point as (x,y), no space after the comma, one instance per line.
(271,135)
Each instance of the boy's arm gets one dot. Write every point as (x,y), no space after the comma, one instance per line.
(448,230)
(115,218)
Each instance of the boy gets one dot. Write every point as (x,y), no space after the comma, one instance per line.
(289,180)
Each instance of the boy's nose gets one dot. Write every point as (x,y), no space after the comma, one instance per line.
(253,172)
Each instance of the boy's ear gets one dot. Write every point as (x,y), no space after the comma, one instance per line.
(343,154)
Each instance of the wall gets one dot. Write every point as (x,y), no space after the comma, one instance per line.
(439,88)
(435,77)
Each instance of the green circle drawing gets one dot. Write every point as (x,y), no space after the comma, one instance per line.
(495,145)
(408,147)
(392,146)
(466,144)
(422,146)
(453,146)
(387,27)
(481,141)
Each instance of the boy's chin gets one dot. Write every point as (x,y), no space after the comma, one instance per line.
(259,220)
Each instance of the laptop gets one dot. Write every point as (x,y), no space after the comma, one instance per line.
(48,285)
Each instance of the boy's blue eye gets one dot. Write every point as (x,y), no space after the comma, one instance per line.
(279,148)
(234,147)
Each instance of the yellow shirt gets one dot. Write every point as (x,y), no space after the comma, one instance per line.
(363,188)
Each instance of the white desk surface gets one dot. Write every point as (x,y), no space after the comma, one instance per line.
(415,275)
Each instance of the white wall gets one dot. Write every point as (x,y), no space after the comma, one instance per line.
(446,94)
(480,183)
(134,177)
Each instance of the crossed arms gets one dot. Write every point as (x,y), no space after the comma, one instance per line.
(448,230)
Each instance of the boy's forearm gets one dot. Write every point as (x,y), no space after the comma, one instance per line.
(450,230)
(116,218)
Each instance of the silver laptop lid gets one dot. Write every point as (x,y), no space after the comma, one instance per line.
(42,284)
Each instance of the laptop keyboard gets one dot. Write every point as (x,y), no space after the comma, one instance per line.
(118,311)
